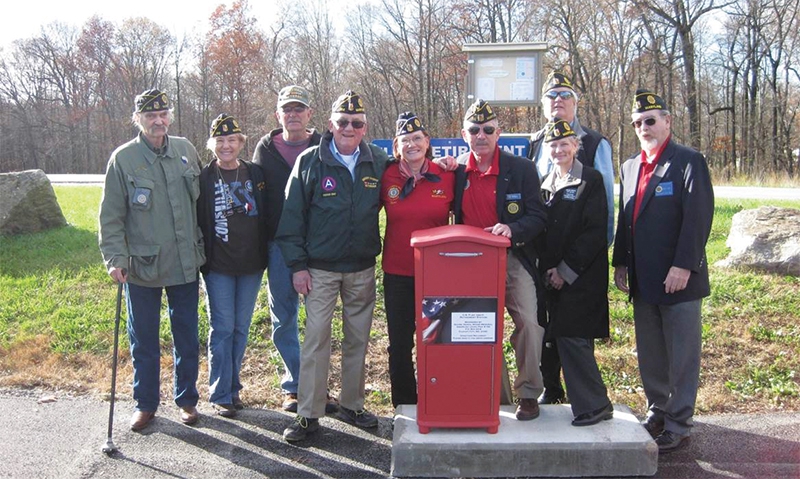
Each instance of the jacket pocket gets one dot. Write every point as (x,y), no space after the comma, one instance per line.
(144,261)
(140,192)
(192,180)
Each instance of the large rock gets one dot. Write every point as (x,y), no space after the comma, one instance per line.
(28,203)
(765,239)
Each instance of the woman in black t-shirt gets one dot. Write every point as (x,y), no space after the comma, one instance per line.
(232,215)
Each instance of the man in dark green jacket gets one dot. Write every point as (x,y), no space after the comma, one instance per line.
(329,237)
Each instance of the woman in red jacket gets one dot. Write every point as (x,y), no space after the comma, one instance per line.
(417,194)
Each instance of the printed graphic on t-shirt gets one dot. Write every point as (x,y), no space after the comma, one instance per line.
(231,199)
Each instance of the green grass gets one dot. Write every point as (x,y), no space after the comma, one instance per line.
(57,301)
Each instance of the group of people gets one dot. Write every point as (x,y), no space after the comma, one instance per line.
(306,210)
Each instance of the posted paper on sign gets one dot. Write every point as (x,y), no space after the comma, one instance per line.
(473,327)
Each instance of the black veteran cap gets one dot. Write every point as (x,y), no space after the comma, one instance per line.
(480,112)
(349,103)
(407,122)
(151,100)
(224,125)
(557,130)
(645,100)
(557,79)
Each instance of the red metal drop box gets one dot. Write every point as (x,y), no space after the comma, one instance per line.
(460,284)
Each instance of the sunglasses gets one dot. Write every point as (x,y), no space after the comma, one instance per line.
(647,121)
(294,109)
(474,130)
(565,95)
(357,124)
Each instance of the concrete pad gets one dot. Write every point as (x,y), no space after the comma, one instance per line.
(548,446)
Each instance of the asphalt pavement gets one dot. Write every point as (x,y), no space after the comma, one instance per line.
(50,435)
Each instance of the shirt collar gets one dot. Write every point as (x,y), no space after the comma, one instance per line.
(494,169)
(658,153)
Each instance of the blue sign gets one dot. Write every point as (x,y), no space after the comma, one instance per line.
(516,145)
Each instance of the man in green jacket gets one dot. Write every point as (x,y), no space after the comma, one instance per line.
(329,237)
(150,241)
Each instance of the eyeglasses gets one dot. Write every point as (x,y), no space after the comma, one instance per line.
(357,124)
(474,130)
(294,109)
(565,95)
(647,121)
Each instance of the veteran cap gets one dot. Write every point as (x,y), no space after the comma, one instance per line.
(349,102)
(293,94)
(645,100)
(407,122)
(151,100)
(557,130)
(480,112)
(557,79)
(224,125)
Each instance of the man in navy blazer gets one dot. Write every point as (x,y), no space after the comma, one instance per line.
(499,192)
(666,210)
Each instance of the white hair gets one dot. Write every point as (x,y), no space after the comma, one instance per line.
(211,144)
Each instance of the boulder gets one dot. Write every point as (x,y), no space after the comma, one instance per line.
(765,239)
(28,203)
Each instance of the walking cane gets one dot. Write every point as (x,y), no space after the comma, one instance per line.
(109,448)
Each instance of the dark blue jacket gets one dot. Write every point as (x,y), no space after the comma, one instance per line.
(672,227)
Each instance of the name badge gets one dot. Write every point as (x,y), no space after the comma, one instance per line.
(570,194)
(513,196)
(664,189)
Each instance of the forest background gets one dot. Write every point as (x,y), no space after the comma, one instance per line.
(728,69)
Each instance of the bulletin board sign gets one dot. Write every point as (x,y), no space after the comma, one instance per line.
(504,74)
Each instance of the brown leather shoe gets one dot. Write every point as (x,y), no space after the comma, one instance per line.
(189,415)
(290,402)
(527,409)
(141,419)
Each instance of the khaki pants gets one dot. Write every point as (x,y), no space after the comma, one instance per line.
(527,336)
(357,291)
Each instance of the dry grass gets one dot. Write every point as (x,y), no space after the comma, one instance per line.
(32,364)
(729,349)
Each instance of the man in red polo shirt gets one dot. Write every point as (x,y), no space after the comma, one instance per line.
(499,192)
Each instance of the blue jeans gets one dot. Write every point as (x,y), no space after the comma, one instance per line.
(283,305)
(144,317)
(231,300)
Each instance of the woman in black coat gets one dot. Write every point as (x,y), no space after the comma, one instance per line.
(574,263)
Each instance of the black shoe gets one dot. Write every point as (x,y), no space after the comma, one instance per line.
(300,428)
(654,426)
(331,404)
(587,419)
(552,397)
(669,441)
(362,418)
(237,403)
